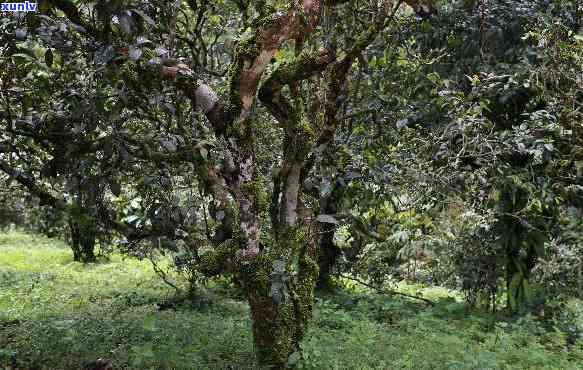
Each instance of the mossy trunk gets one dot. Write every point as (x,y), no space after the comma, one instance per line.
(277,330)
(281,303)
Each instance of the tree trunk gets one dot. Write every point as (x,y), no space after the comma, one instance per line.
(512,295)
(328,251)
(82,241)
(327,257)
(74,243)
(281,302)
(278,327)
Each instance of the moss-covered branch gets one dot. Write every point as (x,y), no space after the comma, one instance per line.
(202,96)
(255,52)
(219,260)
(298,69)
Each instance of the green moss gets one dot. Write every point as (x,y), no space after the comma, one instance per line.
(300,138)
(283,322)
(129,72)
(306,130)
(213,263)
(255,273)
(297,312)
(255,189)
(267,20)
(287,340)
(246,51)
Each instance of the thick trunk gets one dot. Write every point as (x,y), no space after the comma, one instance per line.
(277,329)
(88,244)
(281,302)
(279,283)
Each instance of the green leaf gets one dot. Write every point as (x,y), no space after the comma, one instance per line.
(24,56)
(132,218)
(327,219)
(203,153)
(293,358)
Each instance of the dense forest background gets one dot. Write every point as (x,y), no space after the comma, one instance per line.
(289,155)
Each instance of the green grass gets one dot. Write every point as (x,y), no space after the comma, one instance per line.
(59,314)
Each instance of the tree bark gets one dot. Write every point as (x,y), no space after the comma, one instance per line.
(328,251)
(83,226)
(281,302)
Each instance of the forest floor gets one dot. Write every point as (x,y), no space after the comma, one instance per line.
(59,314)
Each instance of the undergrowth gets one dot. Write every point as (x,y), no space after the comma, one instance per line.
(59,314)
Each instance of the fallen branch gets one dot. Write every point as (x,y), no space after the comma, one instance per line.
(390,292)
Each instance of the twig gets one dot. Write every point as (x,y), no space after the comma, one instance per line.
(162,274)
(390,292)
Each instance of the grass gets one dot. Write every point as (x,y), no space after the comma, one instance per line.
(59,314)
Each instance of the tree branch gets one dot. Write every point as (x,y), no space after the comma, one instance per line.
(384,291)
(303,67)
(29,182)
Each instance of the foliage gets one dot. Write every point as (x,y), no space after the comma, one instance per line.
(477,142)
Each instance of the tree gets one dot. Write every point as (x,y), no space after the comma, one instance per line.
(487,129)
(279,271)
(297,69)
